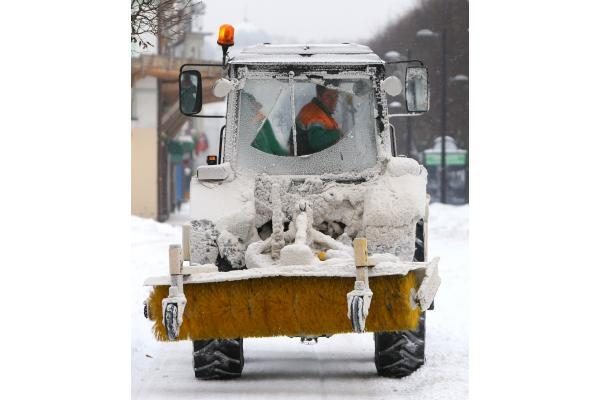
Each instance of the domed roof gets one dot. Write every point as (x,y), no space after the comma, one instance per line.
(247,34)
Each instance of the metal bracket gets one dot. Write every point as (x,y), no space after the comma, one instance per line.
(359,299)
(359,302)
(429,285)
(173,306)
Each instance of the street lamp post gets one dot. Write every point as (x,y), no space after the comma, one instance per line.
(464,80)
(429,33)
(393,55)
(444,120)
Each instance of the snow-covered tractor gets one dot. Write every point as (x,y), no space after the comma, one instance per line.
(307,223)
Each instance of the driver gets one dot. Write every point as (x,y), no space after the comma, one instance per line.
(316,129)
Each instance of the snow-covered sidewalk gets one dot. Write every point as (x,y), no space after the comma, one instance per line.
(339,367)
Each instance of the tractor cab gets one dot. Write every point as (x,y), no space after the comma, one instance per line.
(308,109)
(302,109)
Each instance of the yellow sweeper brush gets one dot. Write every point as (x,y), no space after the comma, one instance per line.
(286,306)
(197,303)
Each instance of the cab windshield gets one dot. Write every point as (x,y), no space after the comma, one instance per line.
(330,127)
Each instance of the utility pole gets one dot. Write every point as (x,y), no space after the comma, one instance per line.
(444,100)
(161,165)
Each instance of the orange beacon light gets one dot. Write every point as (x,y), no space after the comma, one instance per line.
(225,35)
(225,39)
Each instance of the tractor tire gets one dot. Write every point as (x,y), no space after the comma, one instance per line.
(399,354)
(218,358)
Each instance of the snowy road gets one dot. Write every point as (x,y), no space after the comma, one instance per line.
(339,367)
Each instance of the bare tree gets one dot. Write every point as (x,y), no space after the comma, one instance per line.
(166,18)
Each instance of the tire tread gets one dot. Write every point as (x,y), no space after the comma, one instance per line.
(218,358)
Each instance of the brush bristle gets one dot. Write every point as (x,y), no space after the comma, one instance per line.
(285,306)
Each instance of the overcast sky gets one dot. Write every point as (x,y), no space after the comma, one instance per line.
(308,20)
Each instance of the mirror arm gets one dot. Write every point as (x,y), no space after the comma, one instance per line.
(405,62)
(205,116)
(199,65)
(406,115)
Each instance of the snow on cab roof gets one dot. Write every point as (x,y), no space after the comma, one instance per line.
(343,53)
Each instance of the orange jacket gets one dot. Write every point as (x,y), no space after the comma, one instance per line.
(316,129)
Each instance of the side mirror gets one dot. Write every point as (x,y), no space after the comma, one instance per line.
(417,90)
(190,92)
